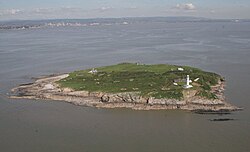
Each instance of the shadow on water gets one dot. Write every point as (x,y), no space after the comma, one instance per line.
(222,119)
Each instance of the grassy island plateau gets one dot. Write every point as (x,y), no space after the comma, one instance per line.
(134,85)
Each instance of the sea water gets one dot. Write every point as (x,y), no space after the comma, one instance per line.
(36,125)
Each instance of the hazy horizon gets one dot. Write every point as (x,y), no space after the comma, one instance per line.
(188,18)
(83,9)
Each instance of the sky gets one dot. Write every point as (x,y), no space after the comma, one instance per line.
(75,9)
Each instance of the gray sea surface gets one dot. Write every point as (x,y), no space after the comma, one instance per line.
(39,126)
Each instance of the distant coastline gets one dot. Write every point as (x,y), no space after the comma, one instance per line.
(34,24)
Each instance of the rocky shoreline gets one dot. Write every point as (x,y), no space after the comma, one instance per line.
(47,88)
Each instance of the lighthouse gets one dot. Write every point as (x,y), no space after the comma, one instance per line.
(187,85)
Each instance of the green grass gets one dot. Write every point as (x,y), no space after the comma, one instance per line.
(149,80)
(207,94)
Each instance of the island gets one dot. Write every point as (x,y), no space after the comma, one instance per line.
(134,85)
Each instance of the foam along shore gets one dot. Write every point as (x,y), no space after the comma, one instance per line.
(48,89)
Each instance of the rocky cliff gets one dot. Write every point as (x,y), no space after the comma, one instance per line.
(46,88)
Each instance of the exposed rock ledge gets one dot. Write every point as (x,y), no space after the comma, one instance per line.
(46,88)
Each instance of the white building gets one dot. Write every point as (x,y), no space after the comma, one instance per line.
(195,80)
(187,85)
(176,84)
(93,71)
(180,69)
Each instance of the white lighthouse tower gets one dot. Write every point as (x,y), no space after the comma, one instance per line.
(187,85)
